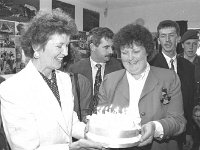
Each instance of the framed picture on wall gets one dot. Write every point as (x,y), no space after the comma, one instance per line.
(10,49)
(90,19)
(7,47)
(70,9)
(18,10)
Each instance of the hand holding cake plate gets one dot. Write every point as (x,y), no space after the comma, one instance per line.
(147,132)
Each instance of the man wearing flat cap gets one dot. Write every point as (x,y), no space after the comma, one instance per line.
(189,43)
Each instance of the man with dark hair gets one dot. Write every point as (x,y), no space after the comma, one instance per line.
(100,43)
(168,37)
(189,42)
(150,95)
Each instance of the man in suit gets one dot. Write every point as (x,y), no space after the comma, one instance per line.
(100,44)
(168,37)
(189,42)
(150,94)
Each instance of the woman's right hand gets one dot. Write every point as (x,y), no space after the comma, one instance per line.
(84,144)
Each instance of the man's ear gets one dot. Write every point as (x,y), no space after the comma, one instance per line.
(178,39)
(158,39)
(92,47)
(182,45)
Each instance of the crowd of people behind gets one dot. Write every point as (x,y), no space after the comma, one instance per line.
(51,99)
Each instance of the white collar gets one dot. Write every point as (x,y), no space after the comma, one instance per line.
(169,58)
(93,63)
(143,74)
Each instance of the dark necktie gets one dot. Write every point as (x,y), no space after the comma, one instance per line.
(97,84)
(172,64)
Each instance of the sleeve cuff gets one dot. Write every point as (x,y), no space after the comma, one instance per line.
(159,133)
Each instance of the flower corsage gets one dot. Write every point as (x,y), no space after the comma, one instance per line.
(165,97)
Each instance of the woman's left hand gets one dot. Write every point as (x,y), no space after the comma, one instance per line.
(147,132)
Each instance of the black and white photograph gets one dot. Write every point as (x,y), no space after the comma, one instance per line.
(99,75)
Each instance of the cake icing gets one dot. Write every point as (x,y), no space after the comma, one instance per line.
(114,129)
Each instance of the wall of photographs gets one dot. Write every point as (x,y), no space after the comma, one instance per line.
(13,16)
(15,13)
(11,60)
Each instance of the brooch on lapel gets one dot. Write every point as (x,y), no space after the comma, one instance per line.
(165,97)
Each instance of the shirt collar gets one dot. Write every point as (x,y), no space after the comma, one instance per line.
(169,58)
(144,74)
(93,63)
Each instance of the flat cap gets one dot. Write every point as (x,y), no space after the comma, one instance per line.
(190,34)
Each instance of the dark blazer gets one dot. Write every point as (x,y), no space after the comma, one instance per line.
(185,71)
(115,90)
(2,79)
(81,102)
(84,67)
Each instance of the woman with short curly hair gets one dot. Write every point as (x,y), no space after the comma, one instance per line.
(37,103)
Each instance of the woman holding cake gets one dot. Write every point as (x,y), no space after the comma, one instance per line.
(37,103)
(150,93)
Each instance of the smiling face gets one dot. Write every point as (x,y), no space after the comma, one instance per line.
(168,39)
(134,58)
(190,47)
(101,53)
(52,54)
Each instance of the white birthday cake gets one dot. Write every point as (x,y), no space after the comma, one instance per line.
(114,130)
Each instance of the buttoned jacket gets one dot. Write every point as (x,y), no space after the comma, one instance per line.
(115,90)
(185,71)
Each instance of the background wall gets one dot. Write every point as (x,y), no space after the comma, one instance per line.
(151,13)
(79,11)
(154,13)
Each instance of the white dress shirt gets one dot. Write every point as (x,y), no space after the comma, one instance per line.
(94,70)
(169,63)
(135,90)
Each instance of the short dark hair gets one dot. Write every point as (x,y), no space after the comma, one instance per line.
(167,24)
(96,34)
(43,25)
(133,33)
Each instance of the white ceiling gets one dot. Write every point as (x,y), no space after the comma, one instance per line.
(112,4)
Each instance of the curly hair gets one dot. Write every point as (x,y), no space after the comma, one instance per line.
(43,25)
(96,34)
(168,24)
(133,33)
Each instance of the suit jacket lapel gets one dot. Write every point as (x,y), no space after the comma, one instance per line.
(149,85)
(66,98)
(179,67)
(124,90)
(159,61)
(47,99)
(121,94)
(88,70)
(162,61)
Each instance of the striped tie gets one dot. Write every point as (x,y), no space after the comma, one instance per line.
(98,80)
(172,64)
